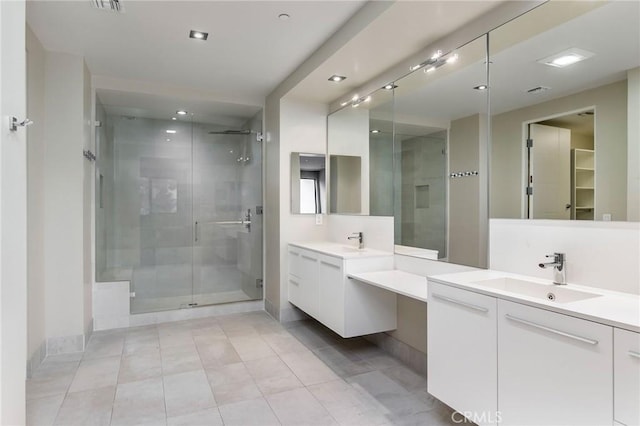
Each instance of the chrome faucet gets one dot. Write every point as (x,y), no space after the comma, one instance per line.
(358,236)
(559,268)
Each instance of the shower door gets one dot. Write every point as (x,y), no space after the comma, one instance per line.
(178,211)
(227,215)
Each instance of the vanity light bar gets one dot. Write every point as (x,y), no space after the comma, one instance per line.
(463,174)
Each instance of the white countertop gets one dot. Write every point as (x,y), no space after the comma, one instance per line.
(405,283)
(612,308)
(344,251)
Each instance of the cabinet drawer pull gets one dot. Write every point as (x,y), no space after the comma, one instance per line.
(634,354)
(551,330)
(457,302)
(330,264)
(309,258)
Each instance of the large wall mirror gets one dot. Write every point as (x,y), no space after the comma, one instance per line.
(360,147)
(440,177)
(566,77)
(422,141)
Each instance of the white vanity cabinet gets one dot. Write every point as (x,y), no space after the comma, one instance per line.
(319,286)
(553,369)
(462,361)
(303,281)
(626,377)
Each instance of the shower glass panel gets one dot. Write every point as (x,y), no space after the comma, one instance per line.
(172,203)
(227,185)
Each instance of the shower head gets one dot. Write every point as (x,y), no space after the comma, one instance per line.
(231,132)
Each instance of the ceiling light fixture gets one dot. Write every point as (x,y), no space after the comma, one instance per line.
(173,118)
(481,87)
(345,103)
(171,132)
(453,58)
(566,58)
(390,86)
(181,112)
(284,16)
(375,131)
(337,78)
(198,35)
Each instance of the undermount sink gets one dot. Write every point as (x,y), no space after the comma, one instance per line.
(549,292)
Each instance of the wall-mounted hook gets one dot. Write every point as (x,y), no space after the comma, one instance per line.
(13,123)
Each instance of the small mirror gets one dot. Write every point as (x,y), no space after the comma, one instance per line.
(346,184)
(308,183)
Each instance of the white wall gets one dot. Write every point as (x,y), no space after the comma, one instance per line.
(599,254)
(13,215)
(302,129)
(35,201)
(65,126)
(633,145)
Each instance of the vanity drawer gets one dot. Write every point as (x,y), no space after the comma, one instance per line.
(626,377)
(553,369)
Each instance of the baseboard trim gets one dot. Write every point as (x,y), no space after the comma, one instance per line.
(36,359)
(271,310)
(408,355)
(65,344)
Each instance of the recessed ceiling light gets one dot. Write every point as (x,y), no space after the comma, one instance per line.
(481,87)
(198,35)
(181,112)
(337,78)
(284,16)
(168,140)
(430,69)
(452,59)
(375,131)
(566,58)
(171,132)
(344,103)
(173,118)
(389,86)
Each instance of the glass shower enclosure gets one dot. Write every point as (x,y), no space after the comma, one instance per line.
(179,208)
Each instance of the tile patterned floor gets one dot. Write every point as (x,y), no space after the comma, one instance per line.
(241,369)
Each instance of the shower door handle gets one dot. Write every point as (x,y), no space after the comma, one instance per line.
(196,231)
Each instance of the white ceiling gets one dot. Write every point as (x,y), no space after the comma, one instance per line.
(249,50)
(403,29)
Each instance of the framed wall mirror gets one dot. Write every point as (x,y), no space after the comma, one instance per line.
(308,183)
(440,146)
(565,96)
(360,147)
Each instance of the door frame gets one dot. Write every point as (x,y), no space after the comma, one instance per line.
(524,157)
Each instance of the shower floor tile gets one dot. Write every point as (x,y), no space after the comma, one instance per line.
(238,369)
